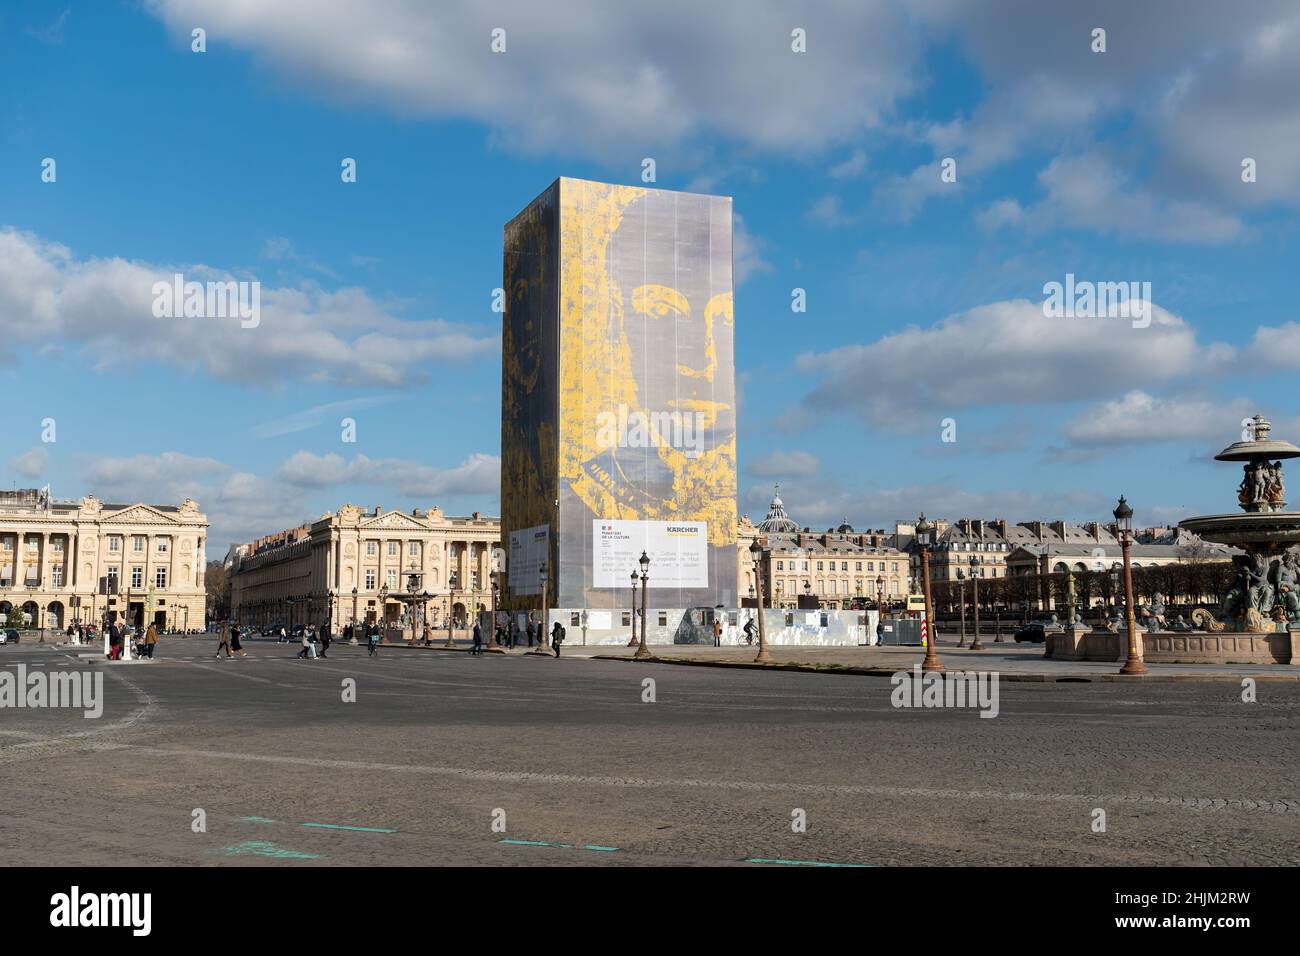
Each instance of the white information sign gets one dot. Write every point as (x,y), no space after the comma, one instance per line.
(678,552)
(528,550)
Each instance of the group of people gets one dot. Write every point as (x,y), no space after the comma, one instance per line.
(118,635)
(507,635)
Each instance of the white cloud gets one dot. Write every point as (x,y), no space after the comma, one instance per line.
(635,76)
(31,464)
(1139,417)
(346,336)
(784,464)
(746,251)
(479,474)
(1005,353)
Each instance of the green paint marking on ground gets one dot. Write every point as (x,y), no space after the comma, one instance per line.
(565,846)
(256,820)
(267,848)
(755,859)
(602,849)
(340,826)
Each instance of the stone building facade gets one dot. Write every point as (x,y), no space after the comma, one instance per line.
(839,566)
(354,565)
(84,560)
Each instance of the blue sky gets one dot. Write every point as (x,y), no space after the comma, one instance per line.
(924,296)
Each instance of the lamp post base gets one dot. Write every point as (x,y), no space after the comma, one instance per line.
(642,653)
(1133,667)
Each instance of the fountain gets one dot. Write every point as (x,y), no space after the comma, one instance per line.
(1265,596)
(1259,619)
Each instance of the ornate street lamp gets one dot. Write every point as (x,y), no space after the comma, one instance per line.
(492,614)
(961,601)
(976,645)
(880,599)
(642,652)
(543,638)
(355,593)
(925,538)
(383,613)
(756,552)
(632,642)
(1133,667)
(451,590)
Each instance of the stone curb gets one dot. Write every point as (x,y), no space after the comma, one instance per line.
(1067,678)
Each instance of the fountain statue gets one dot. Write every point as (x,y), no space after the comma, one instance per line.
(1265,594)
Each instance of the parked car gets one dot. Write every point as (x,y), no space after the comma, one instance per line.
(1032,632)
(9,635)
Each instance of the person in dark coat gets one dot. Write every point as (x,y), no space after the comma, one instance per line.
(558,633)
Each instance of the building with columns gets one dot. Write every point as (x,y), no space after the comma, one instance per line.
(89,561)
(354,565)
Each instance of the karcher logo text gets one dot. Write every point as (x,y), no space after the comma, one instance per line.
(102,909)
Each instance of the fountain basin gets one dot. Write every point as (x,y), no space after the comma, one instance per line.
(1267,531)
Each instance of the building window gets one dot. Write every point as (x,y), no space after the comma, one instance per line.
(882,566)
(114,544)
(137,543)
(844,565)
(413,549)
(370,579)
(627,618)
(780,565)
(160,577)
(858,567)
(805,566)
(137,577)
(372,548)
(58,545)
(392,579)
(56,575)
(162,546)
(663,618)
(819,566)
(112,579)
(392,549)
(31,545)
(9,544)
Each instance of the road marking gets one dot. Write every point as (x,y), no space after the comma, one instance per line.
(256,819)
(755,859)
(1259,804)
(562,846)
(342,826)
(267,848)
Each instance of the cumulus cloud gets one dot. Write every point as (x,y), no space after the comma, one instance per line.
(478,474)
(31,464)
(1222,80)
(1139,417)
(344,337)
(1005,353)
(822,502)
(784,464)
(636,76)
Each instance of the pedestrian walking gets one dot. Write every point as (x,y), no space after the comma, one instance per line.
(717,632)
(512,633)
(880,632)
(532,628)
(307,649)
(150,641)
(557,637)
(478,640)
(236,644)
(223,638)
(428,634)
(114,642)
(325,640)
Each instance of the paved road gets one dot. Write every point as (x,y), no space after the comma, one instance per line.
(566,750)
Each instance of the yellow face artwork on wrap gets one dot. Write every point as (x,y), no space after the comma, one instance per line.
(645,339)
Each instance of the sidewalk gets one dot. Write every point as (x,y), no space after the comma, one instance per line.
(1023,662)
